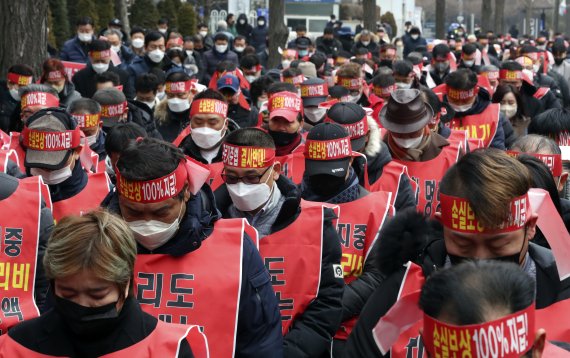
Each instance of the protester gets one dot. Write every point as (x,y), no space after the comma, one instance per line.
(259,34)
(349,76)
(240,110)
(219,53)
(18,76)
(34,97)
(561,65)
(95,312)
(77,48)
(173,114)
(327,44)
(154,48)
(512,108)
(184,223)
(413,41)
(53,74)
(440,63)
(146,88)
(286,122)
(137,40)
(87,114)
(243,28)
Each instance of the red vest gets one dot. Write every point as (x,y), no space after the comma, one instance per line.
(5,155)
(90,161)
(20,152)
(293,166)
(389,180)
(87,199)
(358,225)
(215,179)
(4,140)
(185,133)
(428,174)
(19,224)
(194,288)
(480,126)
(164,341)
(466,142)
(541,92)
(280,253)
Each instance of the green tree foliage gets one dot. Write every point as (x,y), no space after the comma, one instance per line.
(388,17)
(187,20)
(169,9)
(144,14)
(84,8)
(105,12)
(59,25)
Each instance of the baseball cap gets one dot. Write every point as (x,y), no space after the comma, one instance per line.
(314,91)
(285,104)
(353,118)
(50,135)
(228,81)
(115,22)
(338,91)
(308,69)
(405,112)
(327,150)
(113,105)
(302,43)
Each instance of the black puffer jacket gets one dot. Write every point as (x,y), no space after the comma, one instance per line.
(311,333)
(412,237)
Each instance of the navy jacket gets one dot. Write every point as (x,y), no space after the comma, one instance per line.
(141,65)
(212,58)
(73,50)
(259,321)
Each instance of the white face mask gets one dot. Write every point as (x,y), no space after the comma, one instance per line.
(138,43)
(366,43)
(85,37)
(241,22)
(250,78)
(509,110)
(178,105)
(162,31)
(529,74)
(261,23)
(285,64)
(52,177)
(153,234)
(149,104)
(206,137)
(469,63)
(221,48)
(408,143)
(353,99)
(15,94)
(415,37)
(161,95)
(189,53)
(403,85)
(203,33)
(315,114)
(156,56)
(91,139)
(100,67)
(58,88)
(248,197)
(239,49)
(116,48)
(536,68)
(460,108)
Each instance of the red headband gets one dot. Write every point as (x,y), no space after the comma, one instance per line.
(20,80)
(532,55)
(384,91)
(209,106)
(507,337)
(349,83)
(552,161)
(321,90)
(492,75)
(155,190)
(55,75)
(457,215)
(51,141)
(39,99)
(285,100)
(462,95)
(113,110)
(355,130)
(247,157)
(87,120)
(296,80)
(510,75)
(328,149)
(100,55)
(388,51)
(178,87)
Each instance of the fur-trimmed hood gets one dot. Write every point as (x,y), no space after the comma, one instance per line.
(161,112)
(374,145)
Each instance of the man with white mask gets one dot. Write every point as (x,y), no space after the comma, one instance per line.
(76,48)
(173,114)
(154,57)
(191,263)
(87,114)
(350,76)
(256,190)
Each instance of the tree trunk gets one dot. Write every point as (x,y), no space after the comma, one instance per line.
(528,16)
(122,14)
(567,18)
(369,15)
(278,32)
(27,20)
(556,19)
(499,16)
(486,11)
(440,19)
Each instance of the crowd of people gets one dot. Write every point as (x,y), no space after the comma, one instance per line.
(370,196)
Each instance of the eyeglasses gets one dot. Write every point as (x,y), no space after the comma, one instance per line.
(246,179)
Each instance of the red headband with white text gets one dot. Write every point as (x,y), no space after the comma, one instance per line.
(51,141)
(208,106)
(43,99)
(328,149)
(552,161)
(247,156)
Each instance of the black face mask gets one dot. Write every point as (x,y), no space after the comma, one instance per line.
(386,63)
(558,61)
(514,258)
(326,185)
(87,321)
(283,139)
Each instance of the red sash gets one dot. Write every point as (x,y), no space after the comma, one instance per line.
(541,92)
(358,225)
(6,155)
(480,126)
(466,142)
(427,176)
(390,179)
(4,140)
(215,179)
(280,253)
(164,341)
(19,223)
(90,161)
(87,199)
(20,152)
(185,133)
(293,166)
(195,288)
